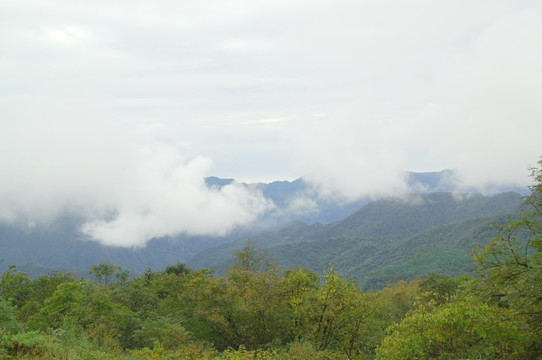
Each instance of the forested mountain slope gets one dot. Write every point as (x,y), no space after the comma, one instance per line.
(384,233)
(400,218)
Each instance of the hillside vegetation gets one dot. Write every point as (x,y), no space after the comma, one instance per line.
(383,233)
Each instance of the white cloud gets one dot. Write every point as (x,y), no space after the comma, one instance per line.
(130,188)
(301,206)
(68,34)
(447,94)
(166,200)
(348,94)
(348,157)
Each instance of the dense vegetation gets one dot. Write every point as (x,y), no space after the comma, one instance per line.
(409,237)
(256,311)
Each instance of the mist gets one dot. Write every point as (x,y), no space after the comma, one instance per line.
(117,112)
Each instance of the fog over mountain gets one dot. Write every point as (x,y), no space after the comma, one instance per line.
(214,207)
(118,111)
(66,241)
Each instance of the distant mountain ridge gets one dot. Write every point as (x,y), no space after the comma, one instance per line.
(285,193)
(60,245)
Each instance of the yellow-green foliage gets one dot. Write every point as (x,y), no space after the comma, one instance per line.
(467,328)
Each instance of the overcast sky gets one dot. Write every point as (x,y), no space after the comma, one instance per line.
(119,109)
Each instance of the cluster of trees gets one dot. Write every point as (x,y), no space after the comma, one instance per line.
(256,311)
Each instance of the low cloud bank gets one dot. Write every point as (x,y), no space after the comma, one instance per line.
(129,189)
(173,201)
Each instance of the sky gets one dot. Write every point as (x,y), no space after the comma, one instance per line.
(117,110)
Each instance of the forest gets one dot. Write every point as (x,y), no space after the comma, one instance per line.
(257,311)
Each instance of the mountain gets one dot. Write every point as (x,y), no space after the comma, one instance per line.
(295,200)
(384,233)
(288,195)
(60,245)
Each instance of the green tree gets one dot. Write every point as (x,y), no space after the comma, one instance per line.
(61,304)
(15,286)
(399,299)
(347,320)
(439,289)
(466,329)
(40,290)
(106,273)
(178,269)
(250,259)
(246,307)
(8,318)
(299,290)
(167,330)
(511,265)
(106,319)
